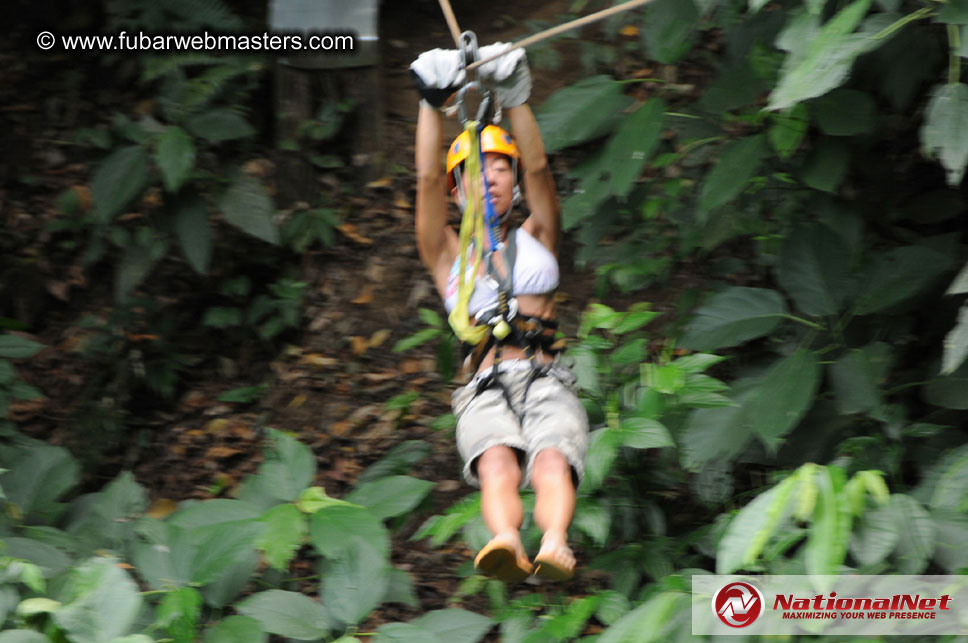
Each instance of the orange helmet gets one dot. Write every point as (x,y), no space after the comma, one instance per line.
(493,139)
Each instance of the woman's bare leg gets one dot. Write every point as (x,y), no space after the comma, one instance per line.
(553,511)
(503,513)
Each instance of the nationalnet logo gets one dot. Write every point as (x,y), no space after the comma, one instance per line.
(830,605)
(738,604)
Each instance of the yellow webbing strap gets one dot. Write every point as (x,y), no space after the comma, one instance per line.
(471,229)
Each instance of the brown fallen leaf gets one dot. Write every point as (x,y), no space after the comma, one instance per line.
(382,182)
(218,425)
(411,366)
(84,198)
(161,508)
(340,429)
(376,378)
(365,296)
(349,230)
(377,338)
(317,360)
(359,344)
(297,401)
(219,452)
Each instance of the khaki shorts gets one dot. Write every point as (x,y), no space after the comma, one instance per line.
(550,416)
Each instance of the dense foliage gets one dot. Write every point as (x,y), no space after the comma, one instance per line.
(805,413)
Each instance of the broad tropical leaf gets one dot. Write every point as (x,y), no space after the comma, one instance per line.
(734,316)
(944,134)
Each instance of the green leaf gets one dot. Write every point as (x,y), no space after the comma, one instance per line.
(669,29)
(354,581)
(713,434)
(951,488)
(749,531)
(289,614)
(948,391)
(218,548)
(103,605)
(944,134)
(442,528)
(233,581)
(43,475)
(644,433)
(702,391)
(178,613)
(756,5)
(951,533)
(826,166)
(194,233)
(846,112)
(139,257)
(856,381)
(404,633)
(956,344)
(603,445)
(593,518)
(632,144)
(16,347)
(236,629)
(420,337)
(336,527)
(788,129)
(220,125)
(454,625)
(247,206)
(953,12)
(285,531)
(175,155)
(581,112)
(398,460)
(698,362)
(778,404)
(430,317)
(916,535)
(118,180)
(633,320)
(739,162)
(391,496)
(651,621)
(899,274)
(400,588)
(875,536)
(612,605)
(734,316)
(830,525)
(290,466)
(824,61)
(814,269)
(23,636)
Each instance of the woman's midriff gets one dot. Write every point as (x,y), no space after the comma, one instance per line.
(541,306)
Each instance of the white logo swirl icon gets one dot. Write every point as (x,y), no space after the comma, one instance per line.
(45,40)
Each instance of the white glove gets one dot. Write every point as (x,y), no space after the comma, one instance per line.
(437,74)
(508,75)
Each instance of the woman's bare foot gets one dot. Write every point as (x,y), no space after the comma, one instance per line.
(555,561)
(504,558)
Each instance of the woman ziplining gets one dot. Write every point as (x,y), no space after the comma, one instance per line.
(519,420)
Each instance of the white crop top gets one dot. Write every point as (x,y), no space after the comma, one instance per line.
(535,273)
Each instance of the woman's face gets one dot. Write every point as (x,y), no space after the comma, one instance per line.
(500,181)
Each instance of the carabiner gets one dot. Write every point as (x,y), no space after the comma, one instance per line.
(483,110)
(468,49)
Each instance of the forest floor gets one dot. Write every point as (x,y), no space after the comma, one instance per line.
(330,386)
